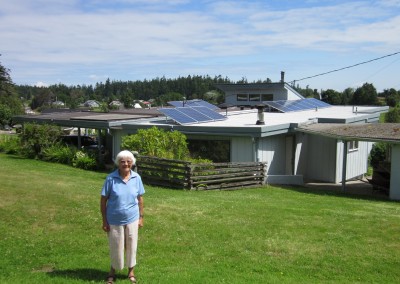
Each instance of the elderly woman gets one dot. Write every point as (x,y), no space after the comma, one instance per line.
(121,206)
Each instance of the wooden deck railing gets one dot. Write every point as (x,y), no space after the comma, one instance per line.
(186,175)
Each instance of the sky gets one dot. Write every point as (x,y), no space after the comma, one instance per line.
(76,42)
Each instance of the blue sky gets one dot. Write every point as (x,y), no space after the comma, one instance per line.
(75,42)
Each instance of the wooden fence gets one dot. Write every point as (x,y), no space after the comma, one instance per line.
(187,175)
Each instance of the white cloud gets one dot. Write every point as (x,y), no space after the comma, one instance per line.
(61,36)
(41,84)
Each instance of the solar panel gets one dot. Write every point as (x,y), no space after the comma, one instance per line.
(210,113)
(193,114)
(192,103)
(319,103)
(176,115)
(202,103)
(296,105)
(187,115)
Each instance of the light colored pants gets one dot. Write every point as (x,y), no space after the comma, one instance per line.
(123,239)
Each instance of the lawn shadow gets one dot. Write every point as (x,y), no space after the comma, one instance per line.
(356,190)
(84,274)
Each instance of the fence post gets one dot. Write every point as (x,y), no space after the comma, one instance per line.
(188,174)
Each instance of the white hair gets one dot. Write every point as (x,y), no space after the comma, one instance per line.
(125,154)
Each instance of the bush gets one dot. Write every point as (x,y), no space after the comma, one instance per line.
(59,154)
(10,144)
(156,142)
(393,115)
(378,154)
(84,161)
(35,138)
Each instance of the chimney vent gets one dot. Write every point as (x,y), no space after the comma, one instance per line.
(282,77)
(260,114)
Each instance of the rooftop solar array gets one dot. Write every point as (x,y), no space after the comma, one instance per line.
(192,103)
(188,115)
(297,105)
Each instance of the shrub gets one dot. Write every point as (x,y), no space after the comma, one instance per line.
(378,154)
(10,144)
(393,115)
(59,154)
(35,138)
(156,142)
(84,161)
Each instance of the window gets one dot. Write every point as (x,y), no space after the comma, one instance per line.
(352,146)
(254,97)
(267,97)
(242,98)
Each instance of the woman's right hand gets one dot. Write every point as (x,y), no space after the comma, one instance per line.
(106,227)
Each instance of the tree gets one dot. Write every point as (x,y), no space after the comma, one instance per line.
(213,97)
(42,98)
(347,96)
(392,97)
(127,100)
(332,97)
(365,95)
(75,98)
(307,92)
(9,101)
(393,115)
(171,96)
(5,115)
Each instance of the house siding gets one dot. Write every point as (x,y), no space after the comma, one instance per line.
(242,149)
(321,159)
(301,154)
(271,150)
(357,161)
(278,91)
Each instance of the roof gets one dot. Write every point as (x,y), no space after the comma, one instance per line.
(88,119)
(238,123)
(247,86)
(244,122)
(387,132)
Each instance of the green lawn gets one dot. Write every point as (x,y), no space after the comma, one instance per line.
(51,233)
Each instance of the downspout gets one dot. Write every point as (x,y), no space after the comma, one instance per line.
(255,149)
(79,139)
(344,166)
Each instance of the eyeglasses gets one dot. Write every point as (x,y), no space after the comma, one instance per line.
(125,162)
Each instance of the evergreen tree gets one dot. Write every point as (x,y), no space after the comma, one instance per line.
(332,97)
(392,97)
(365,95)
(9,101)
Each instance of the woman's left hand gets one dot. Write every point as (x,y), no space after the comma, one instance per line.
(141,222)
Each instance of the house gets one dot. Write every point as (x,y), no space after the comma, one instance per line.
(291,155)
(250,95)
(322,144)
(91,104)
(58,104)
(283,141)
(115,104)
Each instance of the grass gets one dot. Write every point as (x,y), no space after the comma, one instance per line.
(51,233)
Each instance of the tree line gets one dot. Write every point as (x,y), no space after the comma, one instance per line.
(158,91)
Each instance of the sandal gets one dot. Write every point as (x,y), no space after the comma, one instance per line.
(110,279)
(132,279)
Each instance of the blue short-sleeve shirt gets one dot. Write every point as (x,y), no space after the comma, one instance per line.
(122,198)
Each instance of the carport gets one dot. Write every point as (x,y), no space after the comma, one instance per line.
(88,119)
(371,132)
